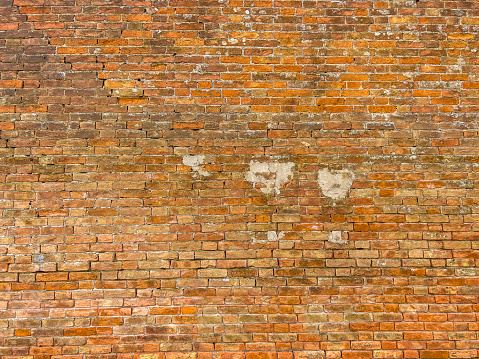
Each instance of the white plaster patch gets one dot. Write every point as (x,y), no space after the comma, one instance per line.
(271,174)
(198,69)
(335,184)
(273,236)
(336,237)
(195,163)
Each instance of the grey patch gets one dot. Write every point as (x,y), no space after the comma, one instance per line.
(38,258)
(335,184)
(336,237)
(271,174)
(195,163)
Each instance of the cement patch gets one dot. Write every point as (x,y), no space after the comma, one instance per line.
(335,184)
(270,174)
(195,163)
(273,236)
(336,237)
(265,237)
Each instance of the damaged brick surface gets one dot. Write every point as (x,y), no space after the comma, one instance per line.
(239,180)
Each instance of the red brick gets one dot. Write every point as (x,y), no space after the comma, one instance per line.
(128,138)
(79,331)
(356,355)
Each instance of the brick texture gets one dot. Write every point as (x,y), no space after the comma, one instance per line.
(236,179)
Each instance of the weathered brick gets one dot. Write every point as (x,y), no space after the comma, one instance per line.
(226,179)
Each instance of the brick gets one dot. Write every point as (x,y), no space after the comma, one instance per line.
(79,331)
(260,355)
(145,209)
(356,354)
(434,354)
(181,355)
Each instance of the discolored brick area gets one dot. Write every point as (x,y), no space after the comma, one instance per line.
(239,179)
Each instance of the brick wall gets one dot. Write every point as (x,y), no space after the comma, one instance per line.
(239,179)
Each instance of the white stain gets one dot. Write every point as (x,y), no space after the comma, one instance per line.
(195,162)
(335,184)
(336,237)
(270,174)
(273,236)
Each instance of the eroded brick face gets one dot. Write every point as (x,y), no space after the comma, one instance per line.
(239,179)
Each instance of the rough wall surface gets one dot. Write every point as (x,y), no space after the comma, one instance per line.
(239,179)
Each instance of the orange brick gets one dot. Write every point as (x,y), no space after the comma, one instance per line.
(257,180)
